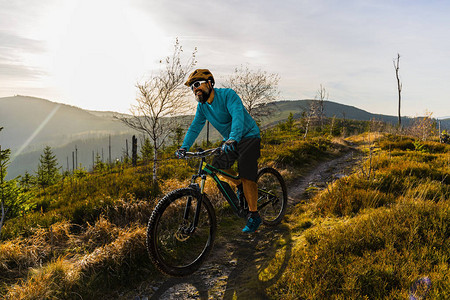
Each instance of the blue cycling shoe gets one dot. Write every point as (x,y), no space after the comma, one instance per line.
(253,222)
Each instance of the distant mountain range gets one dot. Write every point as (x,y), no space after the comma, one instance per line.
(29,124)
(282,110)
(331,109)
(50,123)
(32,123)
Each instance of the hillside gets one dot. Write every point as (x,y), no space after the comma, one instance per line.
(445,123)
(375,228)
(32,123)
(84,148)
(56,124)
(87,149)
(331,109)
(50,123)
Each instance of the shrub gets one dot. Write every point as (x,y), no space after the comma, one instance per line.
(435,147)
(297,153)
(346,197)
(175,169)
(397,143)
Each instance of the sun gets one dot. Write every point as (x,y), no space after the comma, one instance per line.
(98,50)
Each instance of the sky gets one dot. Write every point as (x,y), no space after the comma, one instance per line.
(91,53)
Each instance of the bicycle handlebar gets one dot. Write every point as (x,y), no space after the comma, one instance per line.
(204,153)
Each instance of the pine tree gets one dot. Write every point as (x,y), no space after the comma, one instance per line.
(289,124)
(179,135)
(12,198)
(26,181)
(99,165)
(147,151)
(4,161)
(48,170)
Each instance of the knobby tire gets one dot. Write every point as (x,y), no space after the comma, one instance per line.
(178,254)
(272,196)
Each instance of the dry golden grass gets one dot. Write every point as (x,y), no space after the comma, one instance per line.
(373,237)
(55,280)
(366,137)
(121,257)
(347,227)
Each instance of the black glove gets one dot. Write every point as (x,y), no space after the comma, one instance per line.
(229,146)
(180,153)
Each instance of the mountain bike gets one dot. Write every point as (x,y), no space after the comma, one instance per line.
(182,227)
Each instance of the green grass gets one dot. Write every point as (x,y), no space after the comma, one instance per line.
(378,254)
(88,232)
(373,237)
(369,235)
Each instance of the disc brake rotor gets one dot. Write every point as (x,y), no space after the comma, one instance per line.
(183,232)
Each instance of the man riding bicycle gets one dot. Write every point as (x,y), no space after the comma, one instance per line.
(242,142)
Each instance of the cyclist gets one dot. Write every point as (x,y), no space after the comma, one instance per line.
(224,110)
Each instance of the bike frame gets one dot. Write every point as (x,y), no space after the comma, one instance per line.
(205,170)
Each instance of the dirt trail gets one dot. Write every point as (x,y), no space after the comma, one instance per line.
(236,267)
(323,174)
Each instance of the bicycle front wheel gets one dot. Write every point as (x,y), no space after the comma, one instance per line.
(181,232)
(272,196)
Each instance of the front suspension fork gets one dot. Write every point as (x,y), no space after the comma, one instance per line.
(193,225)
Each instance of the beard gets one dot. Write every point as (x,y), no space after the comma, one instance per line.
(202,97)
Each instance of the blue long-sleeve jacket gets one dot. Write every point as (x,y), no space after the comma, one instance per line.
(227,114)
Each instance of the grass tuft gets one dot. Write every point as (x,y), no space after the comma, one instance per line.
(374,255)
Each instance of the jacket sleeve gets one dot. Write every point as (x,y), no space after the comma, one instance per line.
(194,130)
(236,110)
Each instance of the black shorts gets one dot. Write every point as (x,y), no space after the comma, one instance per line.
(247,154)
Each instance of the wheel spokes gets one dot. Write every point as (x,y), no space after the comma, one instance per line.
(180,243)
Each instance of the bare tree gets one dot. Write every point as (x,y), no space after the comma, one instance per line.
(399,87)
(308,114)
(424,127)
(321,96)
(256,88)
(160,99)
(315,113)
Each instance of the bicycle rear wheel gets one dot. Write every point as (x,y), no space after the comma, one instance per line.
(175,245)
(272,196)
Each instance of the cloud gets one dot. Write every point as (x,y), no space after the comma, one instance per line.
(12,51)
(18,72)
(11,42)
(348,46)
